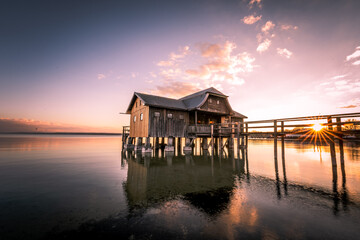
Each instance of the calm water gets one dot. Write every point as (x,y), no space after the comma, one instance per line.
(63,187)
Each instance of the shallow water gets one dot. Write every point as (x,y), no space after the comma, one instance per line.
(55,187)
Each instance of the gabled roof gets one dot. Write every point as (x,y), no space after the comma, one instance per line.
(189,102)
(156,101)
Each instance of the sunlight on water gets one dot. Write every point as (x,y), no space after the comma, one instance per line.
(55,186)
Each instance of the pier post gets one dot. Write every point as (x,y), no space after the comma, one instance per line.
(170,146)
(157,145)
(162,143)
(332,143)
(138,145)
(220,139)
(238,135)
(204,144)
(212,137)
(188,147)
(275,138)
(247,131)
(129,145)
(147,148)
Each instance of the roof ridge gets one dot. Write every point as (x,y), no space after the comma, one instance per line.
(156,96)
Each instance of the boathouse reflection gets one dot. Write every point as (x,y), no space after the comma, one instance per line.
(205,181)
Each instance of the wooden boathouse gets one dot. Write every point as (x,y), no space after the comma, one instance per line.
(204,114)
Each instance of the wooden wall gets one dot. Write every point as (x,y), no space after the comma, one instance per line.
(216,104)
(140,128)
(163,126)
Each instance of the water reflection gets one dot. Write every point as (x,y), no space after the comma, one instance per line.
(205,181)
(94,190)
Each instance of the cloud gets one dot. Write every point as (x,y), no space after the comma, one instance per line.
(255,2)
(262,47)
(354,55)
(267,27)
(251,19)
(288,27)
(338,77)
(101,76)
(353,103)
(211,65)
(175,57)
(284,52)
(222,64)
(8,125)
(349,106)
(175,89)
(165,63)
(356,63)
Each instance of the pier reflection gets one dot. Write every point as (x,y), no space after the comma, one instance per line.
(337,196)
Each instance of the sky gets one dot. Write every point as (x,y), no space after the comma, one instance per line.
(74,65)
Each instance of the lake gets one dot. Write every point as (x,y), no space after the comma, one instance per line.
(64,187)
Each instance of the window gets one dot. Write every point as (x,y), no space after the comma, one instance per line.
(140,103)
(170,115)
(141,116)
(156,114)
(210,100)
(134,118)
(181,117)
(136,104)
(218,102)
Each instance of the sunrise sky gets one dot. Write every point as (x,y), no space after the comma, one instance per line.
(67,66)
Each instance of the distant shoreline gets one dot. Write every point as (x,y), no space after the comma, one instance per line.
(62,133)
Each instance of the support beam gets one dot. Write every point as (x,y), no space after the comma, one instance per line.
(138,146)
(170,146)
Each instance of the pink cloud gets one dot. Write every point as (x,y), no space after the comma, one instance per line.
(288,27)
(255,2)
(251,19)
(356,63)
(268,26)
(30,125)
(354,55)
(101,76)
(175,89)
(262,47)
(284,52)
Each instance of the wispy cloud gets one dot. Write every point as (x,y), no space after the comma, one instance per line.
(220,65)
(284,52)
(338,77)
(288,27)
(30,125)
(255,2)
(175,89)
(353,103)
(251,19)
(356,63)
(354,55)
(101,76)
(262,47)
(174,57)
(269,25)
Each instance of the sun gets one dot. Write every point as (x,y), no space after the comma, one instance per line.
(317,127)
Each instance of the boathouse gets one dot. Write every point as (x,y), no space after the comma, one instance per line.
(188,117)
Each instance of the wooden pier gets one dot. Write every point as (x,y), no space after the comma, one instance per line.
(221,135)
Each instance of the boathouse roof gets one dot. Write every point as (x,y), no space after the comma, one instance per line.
(187,103)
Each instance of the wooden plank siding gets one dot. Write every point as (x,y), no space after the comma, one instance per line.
(162,125)
(216,105)
(139,128)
